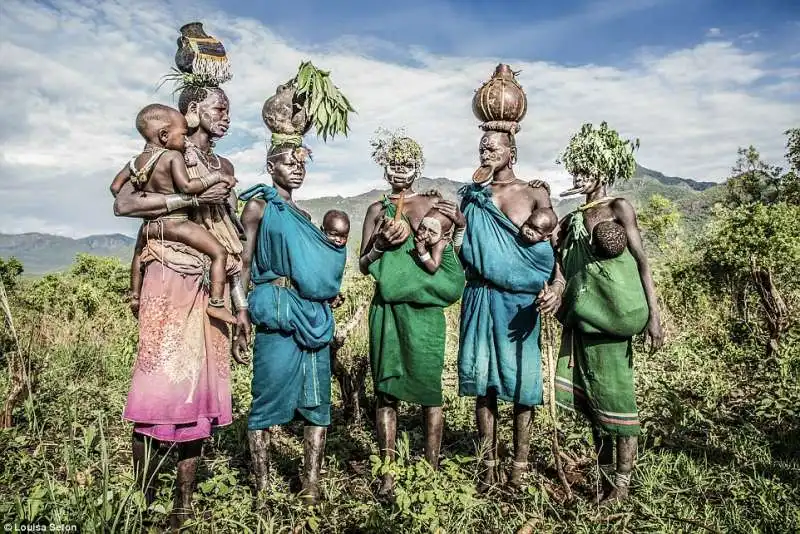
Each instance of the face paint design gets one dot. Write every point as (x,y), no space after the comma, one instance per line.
(430,230)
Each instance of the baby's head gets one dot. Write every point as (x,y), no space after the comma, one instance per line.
(539,226)
(162,126)
(609,239)
(433,227)
(336,227)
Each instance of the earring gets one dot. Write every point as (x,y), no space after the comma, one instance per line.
(192,119)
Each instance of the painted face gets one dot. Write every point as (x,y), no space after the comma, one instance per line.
(337,230)
(586,184)
(175,137)
(430,231)
(495,150)
(400,174)
(214,113)
(286,170)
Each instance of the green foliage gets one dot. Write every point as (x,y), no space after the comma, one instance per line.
(661,218)
(396,148)
(771,233)
(755,181)
(10,272)
(322,100)
(600,153)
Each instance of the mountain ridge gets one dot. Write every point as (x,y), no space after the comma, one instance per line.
(43,253)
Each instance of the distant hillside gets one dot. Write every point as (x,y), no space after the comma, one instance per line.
(43,253)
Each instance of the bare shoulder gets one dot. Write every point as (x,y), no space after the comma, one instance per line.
(538,197)
(253,210)
(622,209)
(374,210)
(227,166)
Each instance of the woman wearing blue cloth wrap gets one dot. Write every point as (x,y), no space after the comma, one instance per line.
(296,273)
(499,354)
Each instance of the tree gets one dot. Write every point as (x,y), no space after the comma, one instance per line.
(10,272)
(660,218)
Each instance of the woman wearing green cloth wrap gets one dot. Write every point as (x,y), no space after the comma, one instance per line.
(604,301)
(296,273)
(406,319)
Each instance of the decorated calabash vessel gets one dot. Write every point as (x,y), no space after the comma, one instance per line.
(202,55)
(501,99)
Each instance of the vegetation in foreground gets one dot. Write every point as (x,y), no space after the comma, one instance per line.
(719,405)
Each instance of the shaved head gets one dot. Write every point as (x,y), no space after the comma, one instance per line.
(153,118)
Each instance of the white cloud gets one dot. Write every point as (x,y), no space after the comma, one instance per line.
(74,78)
(713,32)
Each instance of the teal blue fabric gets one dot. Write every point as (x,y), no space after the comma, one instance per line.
(499,348)
(293,326)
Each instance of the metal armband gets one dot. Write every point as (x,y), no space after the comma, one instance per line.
(238,297)
(178,201)
(458,237)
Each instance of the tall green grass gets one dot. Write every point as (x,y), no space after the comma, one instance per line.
(719,451)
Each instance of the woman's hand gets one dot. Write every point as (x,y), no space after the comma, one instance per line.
(655,333)
(216,194)
(451,211)
(549,298)
(392,233)
(241,338)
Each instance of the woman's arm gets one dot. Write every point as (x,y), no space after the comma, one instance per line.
(368,252)
(549,298)
(626,215)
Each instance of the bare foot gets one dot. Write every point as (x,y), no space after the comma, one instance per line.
(488,479)
(221,313)
(517,472)
(615,495)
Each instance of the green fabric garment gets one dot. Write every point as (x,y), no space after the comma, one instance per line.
(601,296)
(604,305)
(407,324)
(594,376)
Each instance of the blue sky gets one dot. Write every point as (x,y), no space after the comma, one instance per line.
(565,31)
(693,79)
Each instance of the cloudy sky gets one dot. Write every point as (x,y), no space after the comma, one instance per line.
(693,79)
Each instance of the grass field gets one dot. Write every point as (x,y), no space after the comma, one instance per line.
(719,451)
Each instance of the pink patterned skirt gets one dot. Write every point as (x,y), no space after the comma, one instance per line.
(180,388)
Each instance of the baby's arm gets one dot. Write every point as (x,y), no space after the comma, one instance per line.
(189,186)
(431,260)
(120,180)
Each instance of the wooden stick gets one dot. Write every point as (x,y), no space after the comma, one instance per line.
(551,354)
(398,215)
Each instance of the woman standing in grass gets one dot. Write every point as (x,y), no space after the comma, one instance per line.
(606,299)
(180,387)
(296,273)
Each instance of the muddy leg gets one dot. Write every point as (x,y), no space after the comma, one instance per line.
(523,422)
(486,417)
(386,423)
(626,456)
(188,458)
(314,452)
(145,465)
(604,448)
(259,441)
(434,425)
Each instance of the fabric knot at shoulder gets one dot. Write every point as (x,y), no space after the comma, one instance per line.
(475,193)
(268,193)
